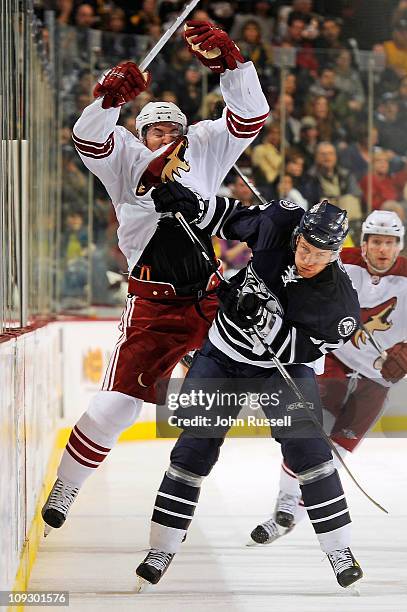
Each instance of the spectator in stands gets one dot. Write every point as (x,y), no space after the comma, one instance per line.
(324,85)
(320,109)
(396,49)
(254,48)
(292,124)
(392,129)
(223,13)
(326,179)
(75,185)
(402,99)
(309,137)
(305,9)
(147,15)
(386,189)
(355,157)
(190,92)
(348,84)
(85,16)
(117,46)
(287,191)
(330,41)
(266,158)
(64,11)
(74,245)
(305,56)
(261,13)
(212,106)
(294,166)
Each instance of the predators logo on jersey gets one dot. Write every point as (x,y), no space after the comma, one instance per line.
(375,319)
(165,167)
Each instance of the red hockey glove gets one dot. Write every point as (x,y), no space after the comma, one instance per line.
(212,46)
(121,84)
(395,366)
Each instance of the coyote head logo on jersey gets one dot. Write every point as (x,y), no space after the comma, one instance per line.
(375,319)
(165,167)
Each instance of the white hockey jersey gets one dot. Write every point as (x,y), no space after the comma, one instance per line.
(200,160)
(383,301)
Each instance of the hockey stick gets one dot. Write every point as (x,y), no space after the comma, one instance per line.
(252,188)
(196,241)
(280,367)
(167,35)
(294,388)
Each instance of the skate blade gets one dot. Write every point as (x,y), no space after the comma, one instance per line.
(142,585)
(47,529)
(252,543)
(353,590)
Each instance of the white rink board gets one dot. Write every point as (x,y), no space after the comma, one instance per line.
(87,347)
(94,555)
(30,390)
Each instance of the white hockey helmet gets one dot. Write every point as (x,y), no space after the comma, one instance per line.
(157,112)
(383,223)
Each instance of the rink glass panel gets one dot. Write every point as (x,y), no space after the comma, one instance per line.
(29,160)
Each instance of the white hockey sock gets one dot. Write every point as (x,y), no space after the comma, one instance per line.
(166,538)
(96,432)
(335,540)
(290,485)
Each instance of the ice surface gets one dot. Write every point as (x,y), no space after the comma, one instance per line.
(94,555)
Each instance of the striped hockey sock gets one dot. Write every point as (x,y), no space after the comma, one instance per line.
(327,509)
(173,512)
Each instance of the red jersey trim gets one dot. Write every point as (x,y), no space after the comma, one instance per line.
(97,150)
(353,256)
(244,128)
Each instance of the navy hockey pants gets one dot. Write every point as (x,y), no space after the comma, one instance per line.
(301,451)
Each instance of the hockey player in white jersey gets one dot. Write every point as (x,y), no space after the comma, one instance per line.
(356,381)
(171,301)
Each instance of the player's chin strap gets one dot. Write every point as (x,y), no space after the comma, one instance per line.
(280,367)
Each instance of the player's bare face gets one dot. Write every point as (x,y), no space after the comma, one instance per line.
(310,260)
(161,134)
(381,251)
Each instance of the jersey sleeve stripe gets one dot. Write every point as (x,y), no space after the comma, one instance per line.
(248,120)
(242,130)
(94,149)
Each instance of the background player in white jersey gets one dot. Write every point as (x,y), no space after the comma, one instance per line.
(356,382)
(171,301)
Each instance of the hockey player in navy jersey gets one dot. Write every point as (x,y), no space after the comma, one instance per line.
(171,301)
(301,305)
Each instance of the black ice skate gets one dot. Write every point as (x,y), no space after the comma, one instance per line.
(281,523)
(347,569)
(286,507)
(56,507)
(153,568)
(267,532)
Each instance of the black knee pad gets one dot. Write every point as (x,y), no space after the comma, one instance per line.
(301,454)
(196,455)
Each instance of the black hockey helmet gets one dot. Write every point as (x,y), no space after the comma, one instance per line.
(325,226)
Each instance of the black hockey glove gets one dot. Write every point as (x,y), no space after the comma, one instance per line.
(243,309)
(172,197)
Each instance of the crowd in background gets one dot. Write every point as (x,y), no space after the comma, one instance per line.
(316,144)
